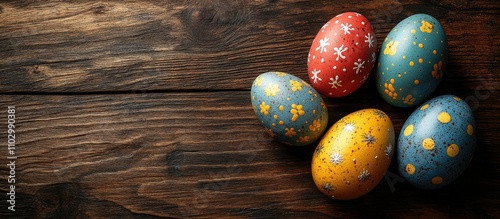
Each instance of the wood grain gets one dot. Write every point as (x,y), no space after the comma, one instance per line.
(204,154)
(211,45)
(141,109)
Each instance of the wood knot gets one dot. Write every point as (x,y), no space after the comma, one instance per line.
(34,70)
(58,201)
(100,9)
(213,23)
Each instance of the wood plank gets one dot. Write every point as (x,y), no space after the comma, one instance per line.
(204,154)
(88,46)
(141,108)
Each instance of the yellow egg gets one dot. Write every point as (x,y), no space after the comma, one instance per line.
(354,154)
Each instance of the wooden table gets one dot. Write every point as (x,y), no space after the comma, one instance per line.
(142,109)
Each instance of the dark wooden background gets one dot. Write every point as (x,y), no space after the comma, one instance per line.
(142,108)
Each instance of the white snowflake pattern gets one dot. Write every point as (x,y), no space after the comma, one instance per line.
(323,43)
(364,175)
(336,158)
(335,82)
(315,76)
(346,28)
(324,26)
(364,79)
(380,114)
(374,56)
(318,150)
(388,150)
(327,187)
(358,66)
(349,127)
(369,40)
(369,139)
(339,51)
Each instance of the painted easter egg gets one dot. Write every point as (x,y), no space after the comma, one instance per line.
(412,61)
(289,108)
(354,154)
(437,142)
(342,55)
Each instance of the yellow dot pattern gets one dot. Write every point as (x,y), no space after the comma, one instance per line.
(421,43)
(391,48)
(444,117)
(408,130)
(426,27)
(410,169)
(428,144)
(390,90)
(452,150)
(438,70)
(296,111)
(292,121)
(264,108)
(470,129)
(290,132)
(316,125)
(272,90)
(409,99)
(296,85)
(432,144)
(437,180)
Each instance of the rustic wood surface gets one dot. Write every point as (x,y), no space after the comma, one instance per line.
(141,109)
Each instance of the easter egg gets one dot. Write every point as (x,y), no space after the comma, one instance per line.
(412,61)
(437,142)
(354,154)
(289,108)
(342,55)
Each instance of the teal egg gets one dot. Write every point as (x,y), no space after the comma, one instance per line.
(437,142)
(411,61)
(289,108)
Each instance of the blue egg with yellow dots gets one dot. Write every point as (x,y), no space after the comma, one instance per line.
(290,110)
(437,142)
(411,61)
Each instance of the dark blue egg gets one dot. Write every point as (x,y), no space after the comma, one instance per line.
(289,108)
(411,61)
(436,142)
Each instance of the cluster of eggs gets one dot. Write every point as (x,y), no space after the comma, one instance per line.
(436,142)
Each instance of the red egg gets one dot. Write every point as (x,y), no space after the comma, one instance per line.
(342,55)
